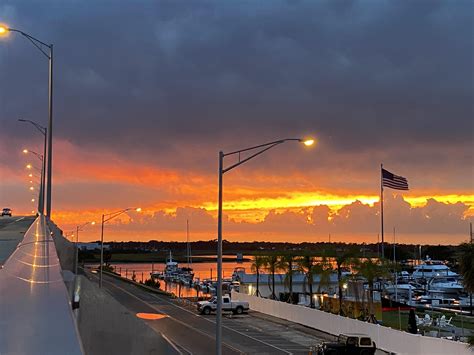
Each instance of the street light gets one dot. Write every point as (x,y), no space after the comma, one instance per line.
(255,151)
(43,131)
(78,229)
(5,30)
(104,220)
(41,190)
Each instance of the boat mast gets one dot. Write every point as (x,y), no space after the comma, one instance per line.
(188,245)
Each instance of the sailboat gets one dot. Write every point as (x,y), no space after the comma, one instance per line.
(172,271)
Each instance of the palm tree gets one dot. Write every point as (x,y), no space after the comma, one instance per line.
(286,263)
(307,265)
(342,260)
(271,265)
(324,270)
(258,264)
(371,270)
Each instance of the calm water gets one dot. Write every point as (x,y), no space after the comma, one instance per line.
(201,270)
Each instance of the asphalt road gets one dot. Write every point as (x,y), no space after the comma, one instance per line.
(12,230)
(252,333)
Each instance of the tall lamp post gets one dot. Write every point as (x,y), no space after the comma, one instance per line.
(43,131)
(105,218)
(254,151)
(78,229)
(41,189)
(4,30)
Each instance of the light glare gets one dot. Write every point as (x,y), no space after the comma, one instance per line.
(308,142)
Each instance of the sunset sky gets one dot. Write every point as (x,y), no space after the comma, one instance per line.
(147,93)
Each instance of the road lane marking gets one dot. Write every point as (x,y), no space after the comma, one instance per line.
(226,327)
(174,319)
(196,315)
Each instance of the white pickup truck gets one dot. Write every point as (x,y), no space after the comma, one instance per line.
(237,307)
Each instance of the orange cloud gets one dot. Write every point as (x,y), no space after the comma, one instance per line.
(356,221)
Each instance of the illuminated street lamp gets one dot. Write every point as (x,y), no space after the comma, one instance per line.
(43,131)
(105,218)
(40,45)
(78,229)
(254,151)
(41,189)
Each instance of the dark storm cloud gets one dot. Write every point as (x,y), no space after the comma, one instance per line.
(143,77)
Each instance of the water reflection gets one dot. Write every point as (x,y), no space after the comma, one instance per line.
(207,270)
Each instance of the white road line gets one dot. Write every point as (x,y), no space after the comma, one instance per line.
(173,345)
(169,316)
(223,326)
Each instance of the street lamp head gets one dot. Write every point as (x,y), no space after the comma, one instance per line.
(25,151)
(30,175)
(28,166)
(93,222)
(3,30)
(138,209)
(32,200)
(32,188)
(307,142)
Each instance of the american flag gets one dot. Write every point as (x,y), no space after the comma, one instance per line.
(394,181)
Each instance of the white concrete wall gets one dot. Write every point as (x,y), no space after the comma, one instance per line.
(386,338)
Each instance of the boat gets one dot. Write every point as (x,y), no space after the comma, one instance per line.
(173,272)
(435,300)
(449,285)
(432,268)
(401,287)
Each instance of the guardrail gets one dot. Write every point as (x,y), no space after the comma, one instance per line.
(35,310)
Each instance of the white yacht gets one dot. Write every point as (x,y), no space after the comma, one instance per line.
(402,287)
(446,284)
(432,268)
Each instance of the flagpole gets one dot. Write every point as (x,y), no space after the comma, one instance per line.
(381,208)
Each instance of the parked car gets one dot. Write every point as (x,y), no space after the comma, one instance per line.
(7,212)
(237,307)
(349,344)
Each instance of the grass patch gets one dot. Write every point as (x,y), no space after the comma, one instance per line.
(391,319)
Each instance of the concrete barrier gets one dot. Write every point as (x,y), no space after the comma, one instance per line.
(387,339)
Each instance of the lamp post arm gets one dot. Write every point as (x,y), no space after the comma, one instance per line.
(115,214)
(37,126)
(265,147)
(80,228)
(36,42)
(39,156)
(252,156)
